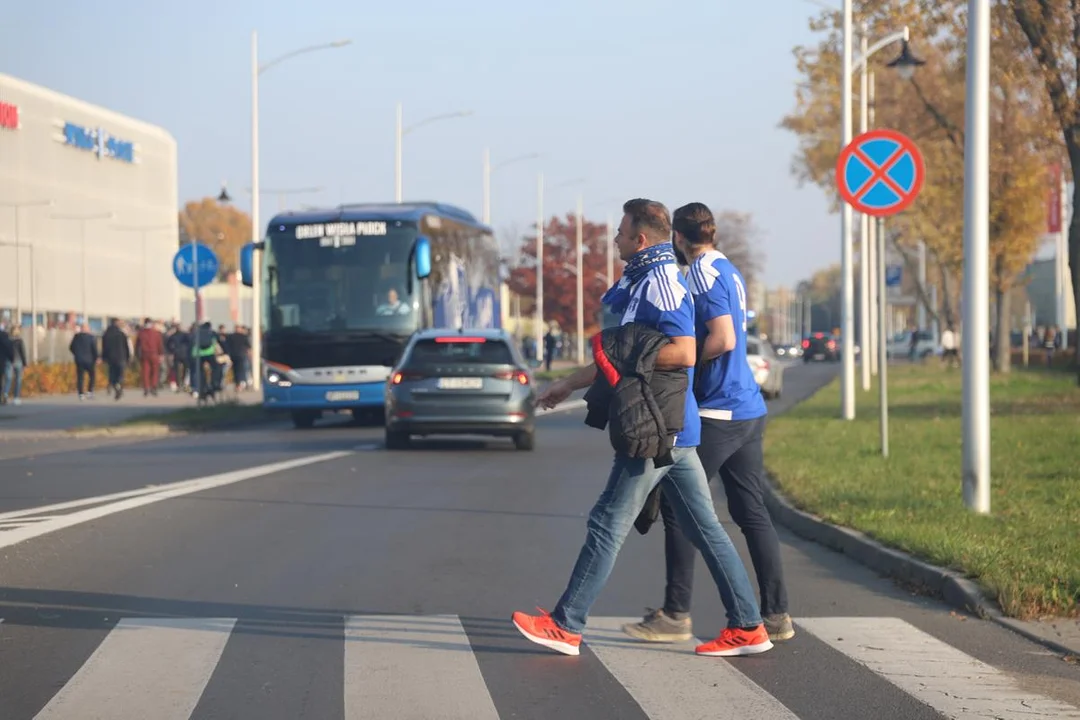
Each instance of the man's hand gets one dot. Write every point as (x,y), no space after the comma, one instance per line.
(554,394)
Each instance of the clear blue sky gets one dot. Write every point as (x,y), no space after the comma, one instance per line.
(676,100)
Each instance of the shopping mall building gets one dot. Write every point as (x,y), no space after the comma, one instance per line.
(88,211)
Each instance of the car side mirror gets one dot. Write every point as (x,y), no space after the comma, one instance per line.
(247,262)
(423,257)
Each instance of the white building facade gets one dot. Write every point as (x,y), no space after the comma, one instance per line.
(88,212)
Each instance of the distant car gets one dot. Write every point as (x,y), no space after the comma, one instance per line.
(460,382)
(899,346)
(820,347)
(768,371)
(787,351)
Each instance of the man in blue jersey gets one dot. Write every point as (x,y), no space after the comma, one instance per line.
(733,415)
(652,291)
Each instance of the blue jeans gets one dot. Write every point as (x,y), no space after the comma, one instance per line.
(687,488)
(13,374)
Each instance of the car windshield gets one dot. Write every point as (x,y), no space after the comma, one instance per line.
(340,276)
(461,350)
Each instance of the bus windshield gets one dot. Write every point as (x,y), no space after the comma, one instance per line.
(340,276)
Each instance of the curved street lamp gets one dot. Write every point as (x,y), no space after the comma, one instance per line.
(400,133)
(256,304)
(488,169)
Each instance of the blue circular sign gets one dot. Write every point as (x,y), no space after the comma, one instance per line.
(880,173)
(195,261)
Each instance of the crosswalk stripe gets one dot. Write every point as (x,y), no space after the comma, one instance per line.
(145,668)
(937,674)
(412,667)
(670,682)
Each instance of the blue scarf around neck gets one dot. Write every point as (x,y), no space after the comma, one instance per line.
(636,268)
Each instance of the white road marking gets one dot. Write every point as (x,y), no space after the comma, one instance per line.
(153,668)
(145,496)
(937,674)
(670,682)
(407,667)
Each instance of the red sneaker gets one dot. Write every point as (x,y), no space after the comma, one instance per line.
(542,630)
(733,642)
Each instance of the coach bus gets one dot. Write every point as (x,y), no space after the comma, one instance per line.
(342,289)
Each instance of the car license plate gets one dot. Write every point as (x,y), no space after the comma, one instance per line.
(451,383)
(819,356)
(342,395)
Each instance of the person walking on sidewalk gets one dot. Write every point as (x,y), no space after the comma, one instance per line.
(654,293)
(84,351)
(116,352)
(733,415)
(13,373)
(149,348)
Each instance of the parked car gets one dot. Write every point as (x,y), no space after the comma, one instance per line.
(455,382)
(820,347)
(899,345)
(768,371)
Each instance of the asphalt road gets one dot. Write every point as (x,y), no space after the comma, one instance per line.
(281,574)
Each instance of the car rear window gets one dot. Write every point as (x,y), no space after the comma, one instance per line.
(461,350)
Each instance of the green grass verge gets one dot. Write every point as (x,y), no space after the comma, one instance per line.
(1026,553)
(224,414)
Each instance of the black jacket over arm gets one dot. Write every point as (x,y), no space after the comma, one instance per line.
(642,407)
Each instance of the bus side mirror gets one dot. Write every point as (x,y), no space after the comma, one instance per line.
(423,257)
(247,254)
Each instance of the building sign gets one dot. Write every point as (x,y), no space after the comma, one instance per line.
(99,142)
(9,116)
(340,229)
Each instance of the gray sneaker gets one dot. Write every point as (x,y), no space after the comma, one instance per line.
(659,627)
(779,627)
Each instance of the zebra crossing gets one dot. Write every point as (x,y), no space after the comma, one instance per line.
(446,666)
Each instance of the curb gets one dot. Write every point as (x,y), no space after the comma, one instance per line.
(955,589)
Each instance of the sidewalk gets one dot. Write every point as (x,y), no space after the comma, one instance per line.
(57,414)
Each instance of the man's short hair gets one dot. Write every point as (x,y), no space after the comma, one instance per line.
(650,218)
(696,223)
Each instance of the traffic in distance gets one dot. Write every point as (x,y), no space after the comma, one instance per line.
(344,289)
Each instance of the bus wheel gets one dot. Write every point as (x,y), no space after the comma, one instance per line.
(303,420)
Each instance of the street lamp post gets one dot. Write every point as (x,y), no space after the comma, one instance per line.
(905,65)
(256,233)
(538,330)
(17,207)
(82,220)
(976,322)
(580,285)
(401,133)
(488,169)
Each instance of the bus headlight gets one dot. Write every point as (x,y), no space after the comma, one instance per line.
(276,378)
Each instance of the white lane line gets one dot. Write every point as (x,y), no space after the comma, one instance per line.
(129,502)
(937,674)
(153,668)
(407,667)
(671,682)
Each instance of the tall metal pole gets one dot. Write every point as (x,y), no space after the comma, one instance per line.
(866,352)
(18,275)
(538,330)
(487,186)
(882,357)
(580,286)
(256,255)
(875,278)
(1063,260)
(847,324)
(920,311)
(976,326)
(397,156)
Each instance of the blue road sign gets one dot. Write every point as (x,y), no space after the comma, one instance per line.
(183,265)
(880,172)
(893,275)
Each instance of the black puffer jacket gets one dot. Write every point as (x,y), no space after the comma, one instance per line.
(642,407)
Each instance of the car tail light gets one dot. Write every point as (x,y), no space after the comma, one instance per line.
(521,377)
(805,344)
(400,377)
(832,345)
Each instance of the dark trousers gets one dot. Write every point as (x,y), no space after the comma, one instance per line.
(84,372)
(116,374)
(734,450)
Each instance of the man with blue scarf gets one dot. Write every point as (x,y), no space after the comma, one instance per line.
(653,292)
